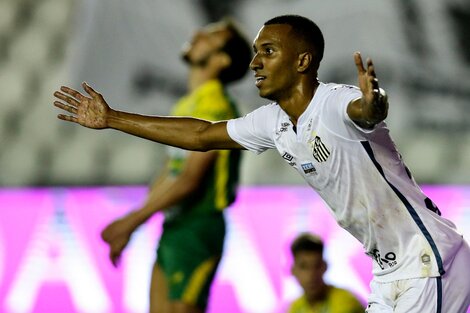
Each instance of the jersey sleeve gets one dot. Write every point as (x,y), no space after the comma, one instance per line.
(335,116)
(255,130)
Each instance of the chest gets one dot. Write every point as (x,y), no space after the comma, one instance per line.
(309,149)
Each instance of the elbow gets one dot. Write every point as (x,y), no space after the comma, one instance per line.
(201,141)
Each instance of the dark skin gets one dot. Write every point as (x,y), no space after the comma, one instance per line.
(275,52)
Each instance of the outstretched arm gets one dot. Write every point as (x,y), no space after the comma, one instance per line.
(92,111)
(372,107)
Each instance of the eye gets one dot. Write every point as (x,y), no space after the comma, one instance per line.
(268,51)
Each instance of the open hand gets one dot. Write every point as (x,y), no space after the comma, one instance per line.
(368,82)
(89,111)
(374,99)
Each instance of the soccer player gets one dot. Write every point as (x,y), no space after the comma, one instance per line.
(335,137)
(309,268)
(195,187)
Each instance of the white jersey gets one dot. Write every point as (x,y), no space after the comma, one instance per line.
(362,177)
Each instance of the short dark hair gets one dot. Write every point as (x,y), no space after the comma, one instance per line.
(238,49)
(306,242)
(307,31)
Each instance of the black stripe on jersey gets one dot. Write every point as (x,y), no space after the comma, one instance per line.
(439,294)
(408,206)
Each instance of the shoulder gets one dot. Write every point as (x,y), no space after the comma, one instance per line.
(335,87)
(334,95)
(268,110)
(339,90)
(213,103)
(298,305)
(345,297)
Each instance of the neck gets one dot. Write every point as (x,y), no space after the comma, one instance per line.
(198,77)
(319,296)
(297,101)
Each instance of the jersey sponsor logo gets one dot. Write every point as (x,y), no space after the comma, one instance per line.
(289,158)
(284,127)
(308,168)
(388,260)
(319,150)
(286,156)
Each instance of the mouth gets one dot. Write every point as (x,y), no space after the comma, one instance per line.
(259,80)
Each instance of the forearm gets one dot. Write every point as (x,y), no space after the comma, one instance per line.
(180,132)
(377,110)
(163,196)
(369,113)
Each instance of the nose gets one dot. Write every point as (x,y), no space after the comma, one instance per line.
(255,63)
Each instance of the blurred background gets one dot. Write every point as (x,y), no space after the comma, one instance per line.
(129,51)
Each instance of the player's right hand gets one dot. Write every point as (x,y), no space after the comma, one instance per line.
(91,111)
(117,236)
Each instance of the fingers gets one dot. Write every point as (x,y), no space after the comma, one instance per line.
(68,108)
(358,61)
(372,76)
(69,96)
(369,73)
(66,98)
(360,65)
(72,92)
(67,118)
(370,67)
(114,256)
(90,90)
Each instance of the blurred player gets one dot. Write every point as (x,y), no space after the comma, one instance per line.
(309,268)
(195,187)
(335,137)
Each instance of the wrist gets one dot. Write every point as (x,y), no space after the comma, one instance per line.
(136,218)
(112,118)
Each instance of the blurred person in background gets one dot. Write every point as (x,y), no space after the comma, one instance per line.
(308,269)
(195,187)
(335,137)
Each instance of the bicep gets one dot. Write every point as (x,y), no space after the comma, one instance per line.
(215,136)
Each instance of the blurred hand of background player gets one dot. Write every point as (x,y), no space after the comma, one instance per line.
(117,236)
(90,111)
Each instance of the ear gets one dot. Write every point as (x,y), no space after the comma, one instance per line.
(293,270)
(224,60)
(324,266)
(304,61)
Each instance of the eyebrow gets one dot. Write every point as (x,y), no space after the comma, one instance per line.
(264,45)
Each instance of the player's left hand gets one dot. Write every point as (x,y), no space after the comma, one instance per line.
(373,97)
(368,82)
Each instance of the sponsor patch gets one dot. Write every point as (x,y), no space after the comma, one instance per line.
(286,156)
(308,168)
(284,127)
